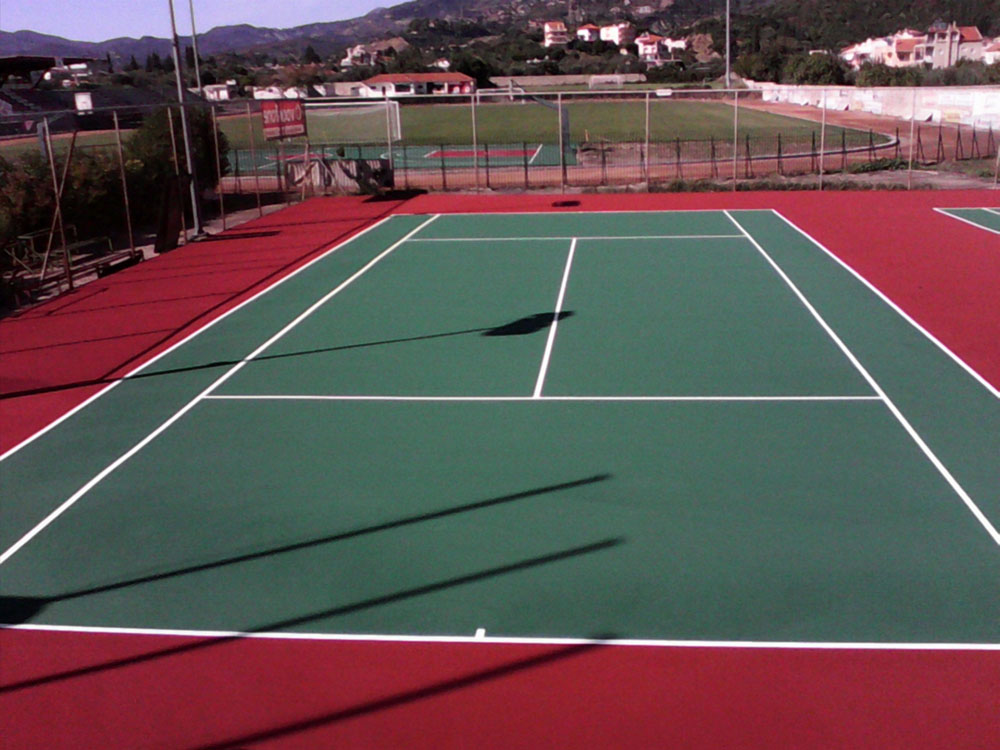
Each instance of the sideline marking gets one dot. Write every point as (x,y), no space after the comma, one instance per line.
(942,469)
(67,504)
(970,222)
(621,399)
(964,365)
(555,322)
(628,642)
(135,371)
(579,237)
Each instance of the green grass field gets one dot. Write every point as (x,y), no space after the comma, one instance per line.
(534,123)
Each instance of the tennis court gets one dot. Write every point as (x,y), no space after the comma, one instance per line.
(685,427)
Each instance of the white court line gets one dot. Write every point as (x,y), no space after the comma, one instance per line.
(135,371)
(536,399)
(555,322)
(992,210)
(66,505)
(535,155)
(970,222)
(581,238)
(942,469)
(878,292)
(514,640)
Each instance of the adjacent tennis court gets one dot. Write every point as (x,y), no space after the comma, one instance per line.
(657,427)
(984,218)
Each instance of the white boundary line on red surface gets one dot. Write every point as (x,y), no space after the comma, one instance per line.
(881,295)
(110,468)
(581,238)
(500,640)
(172,347)
(947,212)
(903,421)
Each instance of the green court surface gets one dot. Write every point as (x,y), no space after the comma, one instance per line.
(410,157)
(984,218)
(661,426)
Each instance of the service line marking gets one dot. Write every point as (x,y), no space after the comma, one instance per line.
(511,640)
(931,456)
(67,504)
(555,322)
(629,237)
(507,399)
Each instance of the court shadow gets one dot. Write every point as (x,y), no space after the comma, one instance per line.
(292,623)
(548,657)
(15,610)
(237,235)
(528,325)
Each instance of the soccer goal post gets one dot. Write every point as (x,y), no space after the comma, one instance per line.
(332,121)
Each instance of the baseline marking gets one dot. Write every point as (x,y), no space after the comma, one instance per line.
(514,640)
(881,295)
(67,504)
(508,399)
(555,322)
(135,371)
(942,469)
(970,222)
(579,237)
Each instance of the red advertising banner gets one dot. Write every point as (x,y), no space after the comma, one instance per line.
(283,118)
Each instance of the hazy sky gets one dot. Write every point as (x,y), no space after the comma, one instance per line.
(97,20)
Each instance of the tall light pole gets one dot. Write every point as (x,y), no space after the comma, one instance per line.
(194,44)
(728,82)
(185,130)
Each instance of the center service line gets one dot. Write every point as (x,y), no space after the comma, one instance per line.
(555,323)
(201,396)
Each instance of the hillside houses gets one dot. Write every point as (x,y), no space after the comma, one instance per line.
(940,46)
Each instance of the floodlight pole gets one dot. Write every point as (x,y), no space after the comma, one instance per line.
(185,130)
(194,45)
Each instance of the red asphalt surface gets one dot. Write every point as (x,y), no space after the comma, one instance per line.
(72,690)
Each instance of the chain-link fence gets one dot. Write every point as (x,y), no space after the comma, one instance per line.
(83,191)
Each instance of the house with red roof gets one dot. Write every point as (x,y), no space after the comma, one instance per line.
(946,44)
(588,33)
(413,84)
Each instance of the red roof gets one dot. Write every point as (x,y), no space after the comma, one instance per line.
(590,27)
(970,34)
(905,45)
(649,39)
(420,78)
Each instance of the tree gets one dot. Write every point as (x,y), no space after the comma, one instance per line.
(310,56)
(819,69)
(132,64)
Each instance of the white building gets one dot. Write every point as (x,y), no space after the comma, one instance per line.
(555,34)
(991,55)
(414,84)
(872,50)
(588,33)
(619,34)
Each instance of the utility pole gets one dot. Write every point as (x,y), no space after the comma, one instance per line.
(194,44)
(185,130)
(728,33)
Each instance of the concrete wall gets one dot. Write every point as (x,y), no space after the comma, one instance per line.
(974,105)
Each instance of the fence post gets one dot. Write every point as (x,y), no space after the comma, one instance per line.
(715,167)
(822,141)
(781,170)
(524,154)
(645,161)
(677,157)
(253,158)
(444,175)
(959,149)
(843,150)
(475,140)
(562,145)
(121,169)
(218,165)
(974,152)
(913,124)
(736,135)
(57,218)
(486,154)
(748,159)
(177,168)
(871,145)
(388,134)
